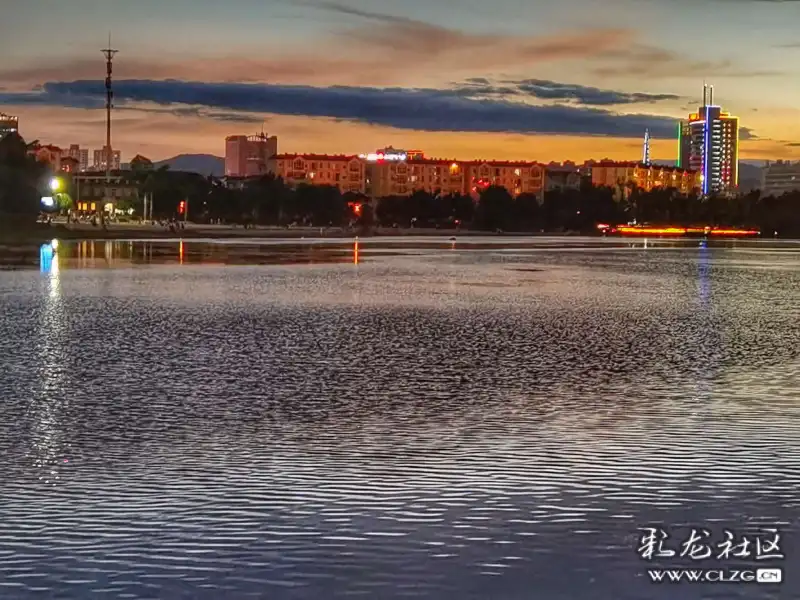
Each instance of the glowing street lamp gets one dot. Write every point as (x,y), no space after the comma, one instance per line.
(55,184)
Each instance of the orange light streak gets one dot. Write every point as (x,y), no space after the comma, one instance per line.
(652,230)
(629,230)
(734,232)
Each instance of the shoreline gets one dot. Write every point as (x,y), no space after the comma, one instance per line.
(45,233)
(39,233)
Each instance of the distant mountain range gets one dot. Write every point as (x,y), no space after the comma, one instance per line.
(205,164)
(208,164)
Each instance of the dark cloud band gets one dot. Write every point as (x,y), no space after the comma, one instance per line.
(415,109)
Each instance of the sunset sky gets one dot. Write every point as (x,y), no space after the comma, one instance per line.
(536,80)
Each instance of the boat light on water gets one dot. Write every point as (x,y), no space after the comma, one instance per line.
(734,232)
(679,231)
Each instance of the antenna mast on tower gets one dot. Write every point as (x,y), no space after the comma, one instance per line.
(646,153)
(109,54)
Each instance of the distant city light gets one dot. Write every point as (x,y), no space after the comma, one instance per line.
(55,184)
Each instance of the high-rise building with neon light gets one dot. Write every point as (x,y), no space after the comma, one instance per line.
(709,143)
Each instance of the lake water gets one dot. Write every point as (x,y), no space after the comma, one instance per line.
(478,420)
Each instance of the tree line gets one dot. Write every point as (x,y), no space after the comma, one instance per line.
(270,201)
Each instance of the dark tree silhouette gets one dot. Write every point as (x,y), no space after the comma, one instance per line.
(495,209)
(23,179)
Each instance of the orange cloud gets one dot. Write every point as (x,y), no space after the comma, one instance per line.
(646,62)
(374,49)
(407,39)
(371,49)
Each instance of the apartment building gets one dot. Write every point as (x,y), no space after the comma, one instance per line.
(780,177)
(249,155)
(100,157)
(346,172)
(646,177)
(446,176)
(8,124)
(79,154)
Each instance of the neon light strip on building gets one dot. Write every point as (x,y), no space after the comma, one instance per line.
(736,153)
(706,151)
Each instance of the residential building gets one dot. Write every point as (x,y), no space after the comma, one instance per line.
(90,191)
(646,177)
(79,154)
(566,176)
(248,156)
(70,165)
(449,176)
(8,124)
(99,163)
(346,172)
(780,177)
(404,177)
(518,177)
(709,144)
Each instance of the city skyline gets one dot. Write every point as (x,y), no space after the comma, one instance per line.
(525,82)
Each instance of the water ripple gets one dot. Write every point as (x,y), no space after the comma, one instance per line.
(449,424)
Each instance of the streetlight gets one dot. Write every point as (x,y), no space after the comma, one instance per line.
(55,184)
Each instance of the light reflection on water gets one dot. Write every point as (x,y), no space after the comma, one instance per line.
(435,423)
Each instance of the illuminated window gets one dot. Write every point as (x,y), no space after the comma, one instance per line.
(94,206)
